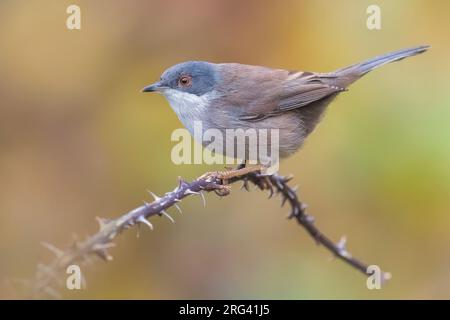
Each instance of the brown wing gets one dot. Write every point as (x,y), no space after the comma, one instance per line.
(304,88)
(250,90)
(299,89)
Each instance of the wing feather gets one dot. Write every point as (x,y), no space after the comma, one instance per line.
(306,89)
(258,93)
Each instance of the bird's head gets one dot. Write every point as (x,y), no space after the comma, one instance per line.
(192,77)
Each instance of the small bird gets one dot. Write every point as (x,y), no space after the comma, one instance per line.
(231,95)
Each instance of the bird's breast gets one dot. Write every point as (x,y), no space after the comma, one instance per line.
(189,108)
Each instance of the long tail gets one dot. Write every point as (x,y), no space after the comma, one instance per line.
(354,72)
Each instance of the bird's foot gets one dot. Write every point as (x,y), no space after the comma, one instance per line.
(245,173)
(238,172)
(230,174)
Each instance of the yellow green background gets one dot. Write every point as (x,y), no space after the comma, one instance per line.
(78,140)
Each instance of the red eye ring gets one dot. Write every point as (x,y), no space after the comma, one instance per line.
(185,81)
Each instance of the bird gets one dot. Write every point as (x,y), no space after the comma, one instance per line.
(238,96)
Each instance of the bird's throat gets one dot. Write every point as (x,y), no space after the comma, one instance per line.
(188,107)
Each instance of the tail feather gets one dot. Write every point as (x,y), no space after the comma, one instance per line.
(356,71)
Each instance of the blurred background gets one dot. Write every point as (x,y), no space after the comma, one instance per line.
(78,140)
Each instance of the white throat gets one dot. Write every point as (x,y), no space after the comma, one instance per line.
(188,107)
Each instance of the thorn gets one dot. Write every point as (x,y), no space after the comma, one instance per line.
(341,247)
(189,191)
(342,242)
(75,245)
(153,195)
(283,199)
(128,225)
(49,272)
(101,250)
(141,219)
(103,246)
(280,185)
(167,216)
(57,252)
(178,208)
(203,198)
(288,178)
(46,270)
(104,255)
(294,212)
(102,222)
(181,183)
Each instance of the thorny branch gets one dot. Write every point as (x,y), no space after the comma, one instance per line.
(49,276)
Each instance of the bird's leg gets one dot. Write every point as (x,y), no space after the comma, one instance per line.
(240,171)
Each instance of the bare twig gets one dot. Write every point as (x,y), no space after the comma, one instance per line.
(49,276)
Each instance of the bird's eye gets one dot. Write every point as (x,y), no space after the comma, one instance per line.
(184,81)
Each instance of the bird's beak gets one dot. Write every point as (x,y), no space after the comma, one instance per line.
(157,86)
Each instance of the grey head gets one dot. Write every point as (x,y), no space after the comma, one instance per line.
(193,77)
(189,88)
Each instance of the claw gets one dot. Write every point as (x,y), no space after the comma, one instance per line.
(223,191)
